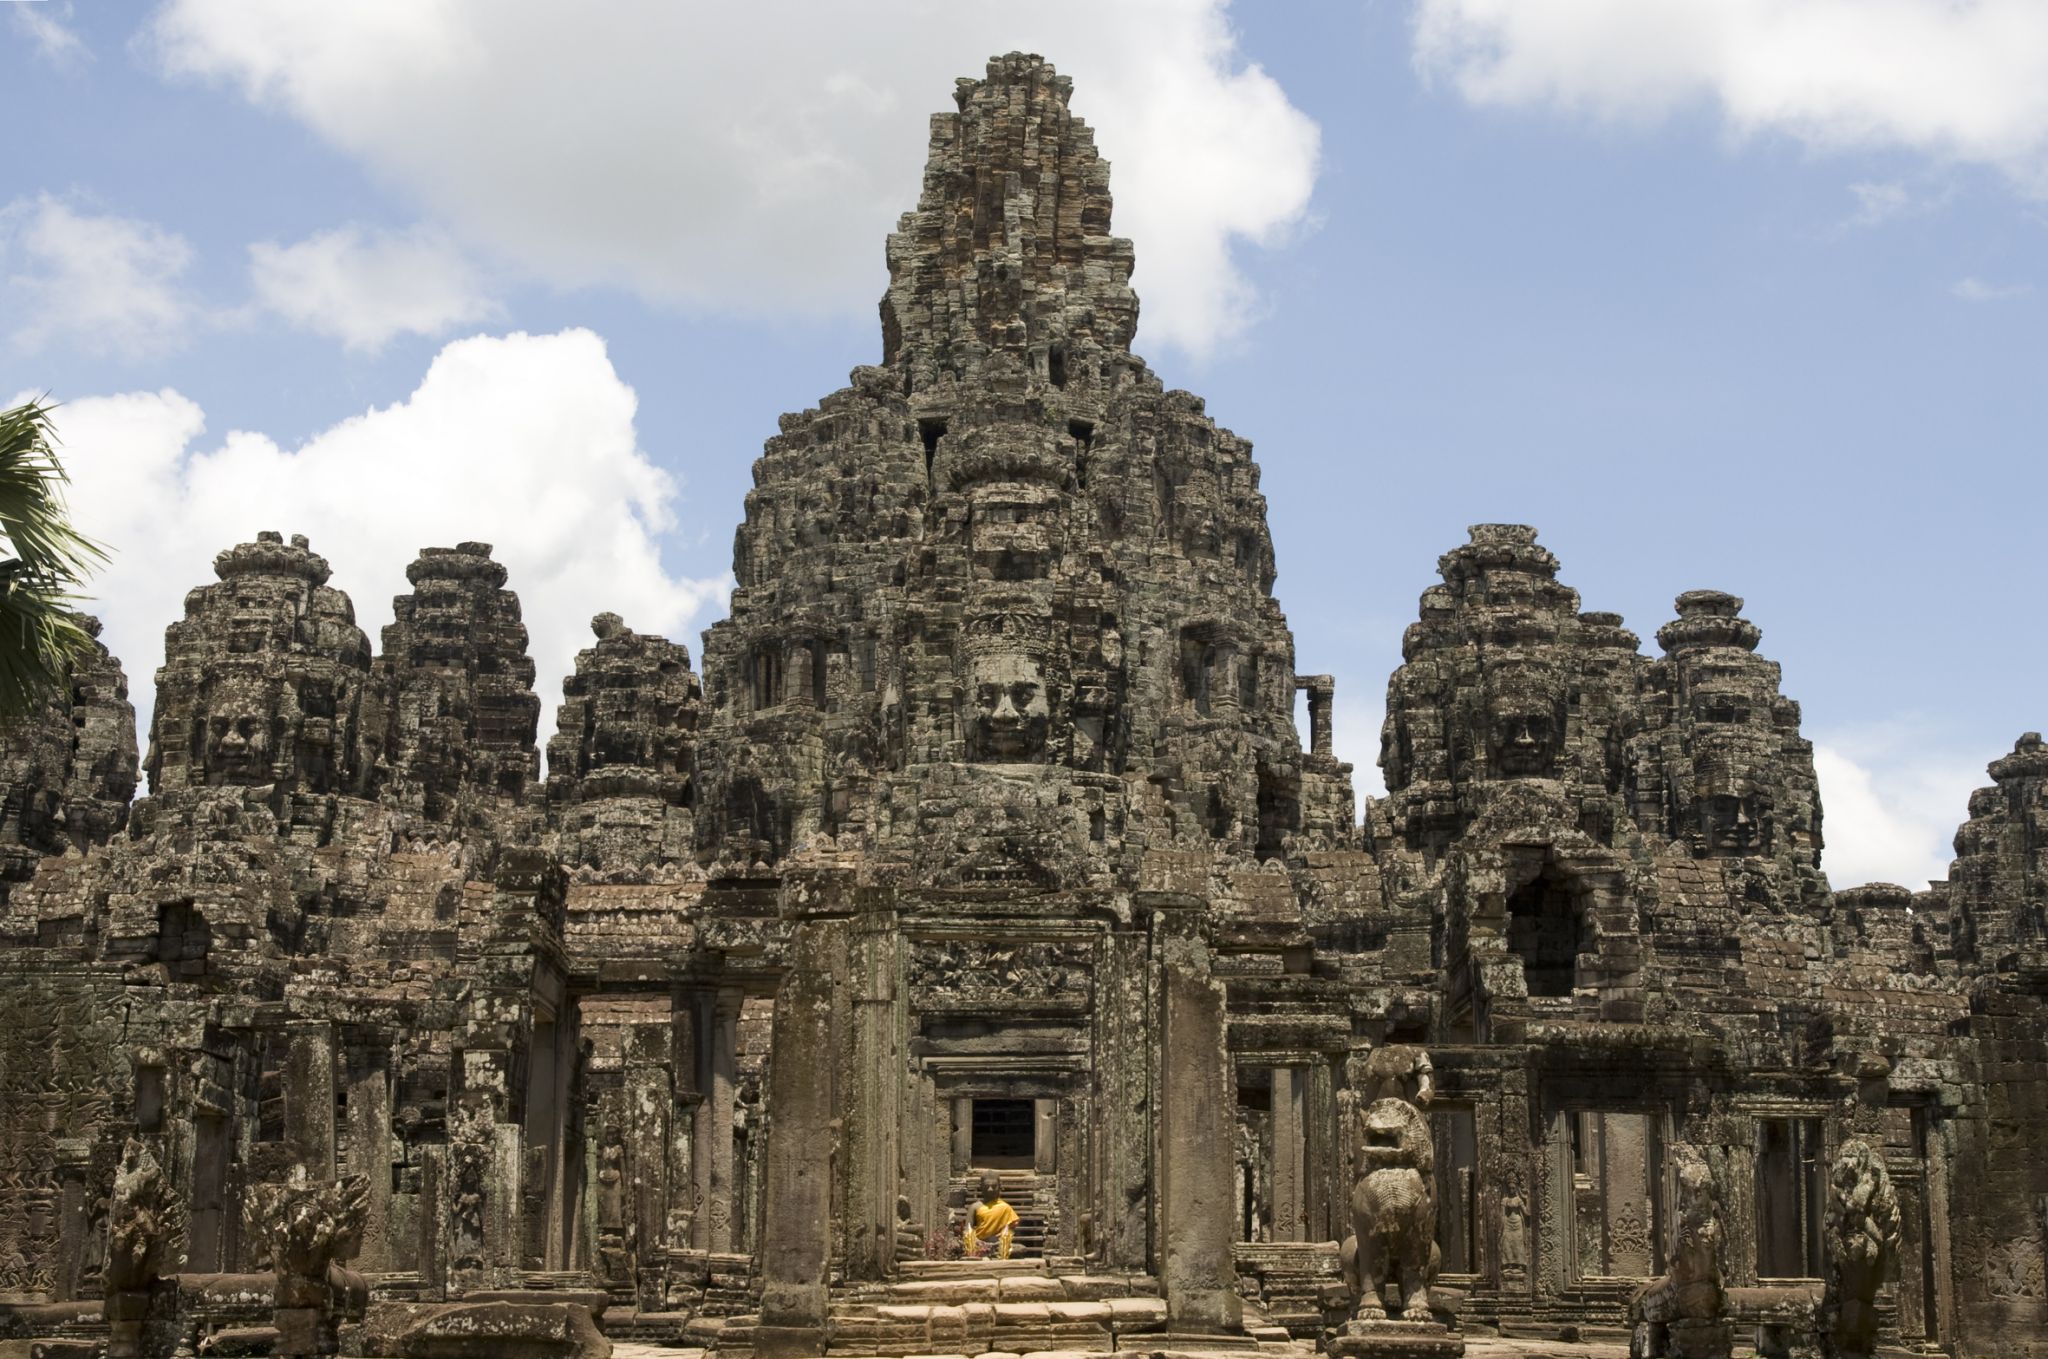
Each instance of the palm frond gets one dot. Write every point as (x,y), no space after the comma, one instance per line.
(40,629)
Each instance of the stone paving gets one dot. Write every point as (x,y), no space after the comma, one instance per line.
(1476,1347)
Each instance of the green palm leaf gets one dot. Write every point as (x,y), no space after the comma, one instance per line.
(41,632)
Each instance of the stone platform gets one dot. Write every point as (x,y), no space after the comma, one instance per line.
(1389,1338)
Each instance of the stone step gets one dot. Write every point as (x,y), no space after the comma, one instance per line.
(942,1269)
(1006,1287)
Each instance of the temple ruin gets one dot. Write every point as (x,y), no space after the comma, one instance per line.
(982,862)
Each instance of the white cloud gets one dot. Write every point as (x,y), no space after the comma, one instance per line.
(1878,203)
(100,282)
(1959,80)
(1974,289)
(55,43)
(364,287)
(523,441)
(1892,799)
(751,157)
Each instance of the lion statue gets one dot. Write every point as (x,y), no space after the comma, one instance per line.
(1393,1198)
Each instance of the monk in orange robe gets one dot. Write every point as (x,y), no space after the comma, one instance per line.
(991,1221)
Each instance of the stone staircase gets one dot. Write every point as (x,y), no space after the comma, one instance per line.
(717,1302)
(969,1307)
(1590,1310)
(1293,1283)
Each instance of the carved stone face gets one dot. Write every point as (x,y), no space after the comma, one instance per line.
(1011,526)
(1721,709)
(1010,708)
(238,747)
(1524,741)
(1734,824)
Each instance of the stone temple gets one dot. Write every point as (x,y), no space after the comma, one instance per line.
(982,862)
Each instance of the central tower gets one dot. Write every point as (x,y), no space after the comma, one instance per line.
(1004,610)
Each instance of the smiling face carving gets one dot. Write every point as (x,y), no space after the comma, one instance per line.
(238,747)
(1010,707)
(1734,824)
(1524,741)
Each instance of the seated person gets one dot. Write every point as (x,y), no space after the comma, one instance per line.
(990,1221)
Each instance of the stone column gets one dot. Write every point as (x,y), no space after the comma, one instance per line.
(1322,694)
(963,1135)
(1069,1164)
(648,1107)
(718,1023)
(797,676)
(1326,1203)
(920,1153)
(1124,1052)
(872,1090)
(309,1096)
(1196,1127)
(1044,1136)
(369,1142)
(1290,1208)
(1625,1187)
(74,1219)
(1557,1210)
(796,1215)
(433,1240)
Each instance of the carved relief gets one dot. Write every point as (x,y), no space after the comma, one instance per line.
(984,969)
(59,1066)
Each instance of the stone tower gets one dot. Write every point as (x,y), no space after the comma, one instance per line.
(1005,604)
(263,680)
(457,688)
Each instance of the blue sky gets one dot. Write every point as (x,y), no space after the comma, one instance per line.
(1735,293)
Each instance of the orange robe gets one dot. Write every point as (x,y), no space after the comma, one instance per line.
(991,1222)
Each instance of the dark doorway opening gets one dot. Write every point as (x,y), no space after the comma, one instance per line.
(1791,1198)
(1546,930)
(1005,1134)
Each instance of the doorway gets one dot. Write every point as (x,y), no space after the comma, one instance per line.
(1005,1134)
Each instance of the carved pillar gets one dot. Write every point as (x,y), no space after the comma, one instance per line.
(1124,1052)
(1195,1133)
(433,1240)
(919,1153)
(963,1135)
(718,1067)
(309,1096)
(1319,1151)
(74,1216)
(1069,1159)
(797,676)
(797,1194)
(872,1093)
(647,1109)
(1289,1201)
(1556,1210)
(1322,694)
(369,1149)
